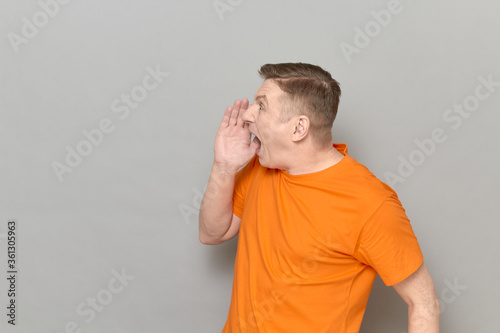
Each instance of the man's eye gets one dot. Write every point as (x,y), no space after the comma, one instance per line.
(261,107)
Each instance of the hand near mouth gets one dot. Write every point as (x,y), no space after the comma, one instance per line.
(233,145)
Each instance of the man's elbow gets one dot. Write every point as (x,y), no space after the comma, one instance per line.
(204,239)
(434,309)
(211,236)
(428,311)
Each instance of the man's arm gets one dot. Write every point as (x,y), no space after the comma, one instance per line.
(217,223)
(233,148)
(418,292)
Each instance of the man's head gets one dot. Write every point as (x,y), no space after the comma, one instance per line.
(296,105)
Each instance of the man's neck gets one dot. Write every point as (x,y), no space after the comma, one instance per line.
(315,161)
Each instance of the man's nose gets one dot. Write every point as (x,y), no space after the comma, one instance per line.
(249,115)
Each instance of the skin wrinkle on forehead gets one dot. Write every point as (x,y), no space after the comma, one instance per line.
(261,98)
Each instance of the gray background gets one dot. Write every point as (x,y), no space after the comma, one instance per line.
(132,203)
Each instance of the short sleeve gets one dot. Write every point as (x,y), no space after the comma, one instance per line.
(241,185)
(388,244)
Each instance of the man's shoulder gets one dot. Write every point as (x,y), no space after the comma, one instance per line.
(357,173)
(361,178)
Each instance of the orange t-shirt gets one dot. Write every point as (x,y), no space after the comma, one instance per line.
(310,246)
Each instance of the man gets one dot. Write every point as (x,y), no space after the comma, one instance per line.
(315,226)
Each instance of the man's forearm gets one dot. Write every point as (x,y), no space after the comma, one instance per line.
(423,318)
(216,209)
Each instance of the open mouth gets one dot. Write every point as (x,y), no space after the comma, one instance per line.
(256,139)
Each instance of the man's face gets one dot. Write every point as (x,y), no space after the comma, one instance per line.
(263,120)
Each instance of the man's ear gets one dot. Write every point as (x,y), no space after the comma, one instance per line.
(301,129)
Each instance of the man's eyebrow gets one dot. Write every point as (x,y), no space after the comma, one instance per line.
(261,97)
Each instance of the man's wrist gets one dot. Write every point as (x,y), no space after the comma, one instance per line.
(224,169)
